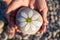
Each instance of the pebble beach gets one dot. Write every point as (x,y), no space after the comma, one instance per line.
(53,27)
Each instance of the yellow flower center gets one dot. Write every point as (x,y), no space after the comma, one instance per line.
(28,20)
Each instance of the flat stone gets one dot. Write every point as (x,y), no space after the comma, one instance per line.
(32,24)
(1,24)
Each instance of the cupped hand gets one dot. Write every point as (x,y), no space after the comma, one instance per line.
(39,5)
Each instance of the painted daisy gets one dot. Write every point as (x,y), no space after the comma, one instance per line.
(29,20)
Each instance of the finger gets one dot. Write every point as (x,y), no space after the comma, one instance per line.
(41,4)
(14,5)
(31,4)
(44,16)
(17,29)
(11,32)
(42,29)
(45,21)
(43,9)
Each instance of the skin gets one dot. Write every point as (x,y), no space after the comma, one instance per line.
(39,5)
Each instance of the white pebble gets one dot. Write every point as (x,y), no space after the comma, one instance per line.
(1,24)
(1,30)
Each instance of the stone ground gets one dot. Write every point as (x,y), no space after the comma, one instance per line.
(53,27)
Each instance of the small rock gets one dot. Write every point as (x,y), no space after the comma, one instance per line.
(1,24)
(4,36)
(50,8)
(10,32)
(17,37)
(1,30)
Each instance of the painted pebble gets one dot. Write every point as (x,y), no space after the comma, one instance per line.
(29,21)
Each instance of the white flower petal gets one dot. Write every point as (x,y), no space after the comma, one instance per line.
(24,15)
(30,14)
(35,17)
(21,19)
(27,27)
(23,24)
(36,23)
(33,27)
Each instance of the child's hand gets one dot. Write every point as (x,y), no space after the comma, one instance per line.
(40,5)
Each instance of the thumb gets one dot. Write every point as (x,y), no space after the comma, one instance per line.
(13,6)
(31,4)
